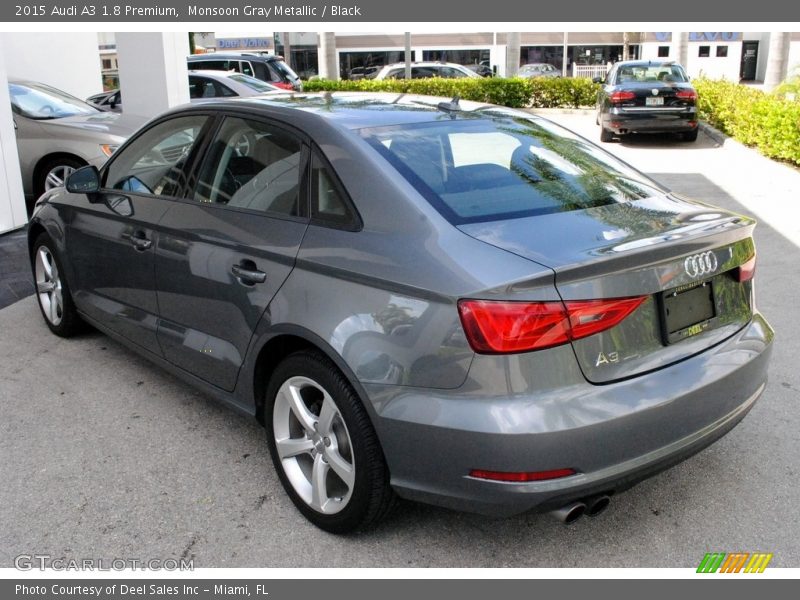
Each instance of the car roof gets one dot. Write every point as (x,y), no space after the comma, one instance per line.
(354,110)
(424,63)
(230,55)
(216,74)
(646,63)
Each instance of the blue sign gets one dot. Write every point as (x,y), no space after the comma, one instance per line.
(239,43)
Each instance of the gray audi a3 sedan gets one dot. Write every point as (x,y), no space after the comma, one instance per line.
(449,302)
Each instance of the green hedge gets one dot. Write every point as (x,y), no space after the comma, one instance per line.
(514,92)
(769,122)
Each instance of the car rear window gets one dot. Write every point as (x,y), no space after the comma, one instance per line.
(476,169)
(651,73)
(284,69)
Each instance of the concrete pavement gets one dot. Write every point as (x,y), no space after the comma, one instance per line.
(104,455)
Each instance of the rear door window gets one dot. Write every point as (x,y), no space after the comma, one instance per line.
(252,165)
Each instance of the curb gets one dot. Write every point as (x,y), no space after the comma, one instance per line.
(719,137)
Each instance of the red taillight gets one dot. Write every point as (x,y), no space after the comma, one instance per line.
(746,271)
(521,477)
(686,95)
(283,86)
(494,327)
(587,317)
(499,327)
(621,96)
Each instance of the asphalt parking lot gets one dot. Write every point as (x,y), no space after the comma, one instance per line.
(104,455)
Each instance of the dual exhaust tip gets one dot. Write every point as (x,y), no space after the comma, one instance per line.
(591,507)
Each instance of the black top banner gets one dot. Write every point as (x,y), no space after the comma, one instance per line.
(380,11)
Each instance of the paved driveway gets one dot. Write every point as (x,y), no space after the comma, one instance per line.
(104,455)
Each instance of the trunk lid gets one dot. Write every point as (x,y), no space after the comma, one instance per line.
(656,95)
(682,256)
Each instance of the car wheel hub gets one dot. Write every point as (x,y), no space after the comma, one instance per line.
(57,176)
(313,445)
(48,286)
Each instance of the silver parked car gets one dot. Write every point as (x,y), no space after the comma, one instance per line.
(456,303)
(538,70)
(203,86)
(58,133)
(424,70)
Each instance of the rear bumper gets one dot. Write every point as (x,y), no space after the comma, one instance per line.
(613,435)
(622,121)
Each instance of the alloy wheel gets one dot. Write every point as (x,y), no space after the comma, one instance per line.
(57,176)
(314,445)
(48,286)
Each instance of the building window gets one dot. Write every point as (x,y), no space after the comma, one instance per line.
(663,51)
(722,51)
(704,52)
(106,63)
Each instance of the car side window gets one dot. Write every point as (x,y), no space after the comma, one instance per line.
(252,165)
(154,162)
(247,68)
(328,205)
(262,72)
(202,87)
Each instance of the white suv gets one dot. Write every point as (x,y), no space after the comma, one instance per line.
(421,70)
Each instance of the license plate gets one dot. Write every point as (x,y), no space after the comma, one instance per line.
(654,101)
(687,312)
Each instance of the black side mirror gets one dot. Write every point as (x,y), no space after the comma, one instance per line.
(85,180)
(598,80)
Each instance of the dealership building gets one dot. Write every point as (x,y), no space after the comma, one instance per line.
(151,67)
(733,55)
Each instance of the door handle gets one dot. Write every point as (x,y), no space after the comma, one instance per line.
(140,242)
(248,274)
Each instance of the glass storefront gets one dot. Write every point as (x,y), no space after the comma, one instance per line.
(358,65)
(460,57)
(581,55)
(304,60)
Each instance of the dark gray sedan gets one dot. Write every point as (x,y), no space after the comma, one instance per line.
(449,302)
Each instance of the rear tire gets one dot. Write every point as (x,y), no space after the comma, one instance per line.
(323,446)
(606,135)
(52,290)
(690,136)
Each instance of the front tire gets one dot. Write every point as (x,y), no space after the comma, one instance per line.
(52,290)
(54,173)
(323,446)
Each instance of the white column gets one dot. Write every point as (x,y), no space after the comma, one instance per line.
(680,41)
(152,71)
(12,198)
(328,62)
(512,53)
(777,59)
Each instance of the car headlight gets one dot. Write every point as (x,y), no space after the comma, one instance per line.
(108,149)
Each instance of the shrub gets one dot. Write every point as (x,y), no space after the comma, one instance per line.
(769,122)
(513,92)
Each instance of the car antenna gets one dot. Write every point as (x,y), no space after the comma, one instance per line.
(450,107)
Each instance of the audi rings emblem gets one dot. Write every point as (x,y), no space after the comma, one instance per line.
(698,265)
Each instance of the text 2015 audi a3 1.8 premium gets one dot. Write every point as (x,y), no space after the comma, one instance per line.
(449,302)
